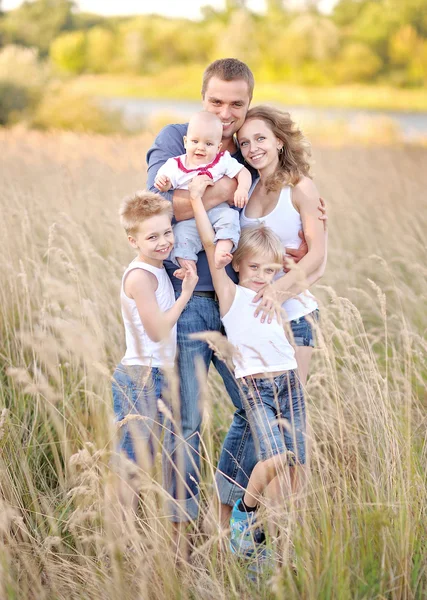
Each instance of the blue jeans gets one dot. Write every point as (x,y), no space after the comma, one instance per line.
(303,330)
(238,457)
(276,414)
(136,390)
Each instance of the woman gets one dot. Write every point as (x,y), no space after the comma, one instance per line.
(285,199)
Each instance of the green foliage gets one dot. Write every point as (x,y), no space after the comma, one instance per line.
(375,41)
(37,23)
(374,26)
(14,100)
(60,109)
(22,80)
(357,63)
(100,49)
(68,52)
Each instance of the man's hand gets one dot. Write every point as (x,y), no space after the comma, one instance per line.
(323,214)
(296,254)
(198,185)
(163,183)
(241,197)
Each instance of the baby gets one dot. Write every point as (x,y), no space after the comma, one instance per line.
(203,157)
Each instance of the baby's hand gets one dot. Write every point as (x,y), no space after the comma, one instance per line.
(240,197)
(163,183)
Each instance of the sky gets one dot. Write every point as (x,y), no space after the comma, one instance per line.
(172,8)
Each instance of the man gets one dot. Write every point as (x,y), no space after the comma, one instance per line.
(226,91)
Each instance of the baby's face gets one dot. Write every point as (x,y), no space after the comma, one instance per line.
(202,143)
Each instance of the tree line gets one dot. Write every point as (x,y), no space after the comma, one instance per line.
(378,41)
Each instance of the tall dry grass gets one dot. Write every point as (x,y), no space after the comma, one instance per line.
(359,530)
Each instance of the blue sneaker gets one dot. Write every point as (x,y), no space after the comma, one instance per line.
(261,565)
(244,538)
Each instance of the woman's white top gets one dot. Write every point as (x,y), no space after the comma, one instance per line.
(261,347)
(140,349)
(285,221)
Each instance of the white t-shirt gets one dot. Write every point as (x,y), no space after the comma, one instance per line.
(261,347)
(180,176)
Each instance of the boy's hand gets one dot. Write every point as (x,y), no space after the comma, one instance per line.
(240,197)
(198,185)
(190,281)
(163,183)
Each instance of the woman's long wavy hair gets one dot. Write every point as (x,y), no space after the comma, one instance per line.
(294,160)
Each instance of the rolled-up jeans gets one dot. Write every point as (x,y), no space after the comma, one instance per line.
(238,456)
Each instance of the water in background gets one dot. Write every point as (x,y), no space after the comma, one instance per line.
(410,127)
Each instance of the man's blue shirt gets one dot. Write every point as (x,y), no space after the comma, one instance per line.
(167,144)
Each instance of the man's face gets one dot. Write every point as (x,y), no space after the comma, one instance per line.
(230,101)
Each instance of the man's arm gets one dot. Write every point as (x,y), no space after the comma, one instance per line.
(221,191)
(170,143)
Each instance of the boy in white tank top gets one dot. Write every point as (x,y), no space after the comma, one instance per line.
(150,313)
(265,368)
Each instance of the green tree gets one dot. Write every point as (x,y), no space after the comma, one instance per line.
(347,11)
(37,23)
(239,39)
(100,47)
(68,52)
(410,12)
(374,27)
(357,63)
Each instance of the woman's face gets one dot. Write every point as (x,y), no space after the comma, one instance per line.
(259,145)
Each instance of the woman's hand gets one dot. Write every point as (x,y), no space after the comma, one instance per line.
(270,303)
(198,185)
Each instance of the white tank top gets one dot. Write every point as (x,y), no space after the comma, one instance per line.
(285,221)
(140,349)
(261,347)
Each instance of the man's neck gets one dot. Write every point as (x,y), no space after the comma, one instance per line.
(229,145)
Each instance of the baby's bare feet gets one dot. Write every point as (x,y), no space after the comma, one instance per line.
(222,258)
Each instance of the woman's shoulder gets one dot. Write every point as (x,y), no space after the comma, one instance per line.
(305,189)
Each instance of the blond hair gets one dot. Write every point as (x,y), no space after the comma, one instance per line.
(141,206)
(293,156)
(228,69)
(259,239)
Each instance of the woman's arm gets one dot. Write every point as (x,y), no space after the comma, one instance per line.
(225,288)
(141,286)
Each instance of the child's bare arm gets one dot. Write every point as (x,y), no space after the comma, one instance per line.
(244,180)
(141,286)
(224,286)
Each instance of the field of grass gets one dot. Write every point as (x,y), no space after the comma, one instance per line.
(185,84)
(359,529)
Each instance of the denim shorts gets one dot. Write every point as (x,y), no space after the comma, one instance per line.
(136,390)
(276,413)
(303,329)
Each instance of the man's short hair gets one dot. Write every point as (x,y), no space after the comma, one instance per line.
(228,69)
(141,206)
